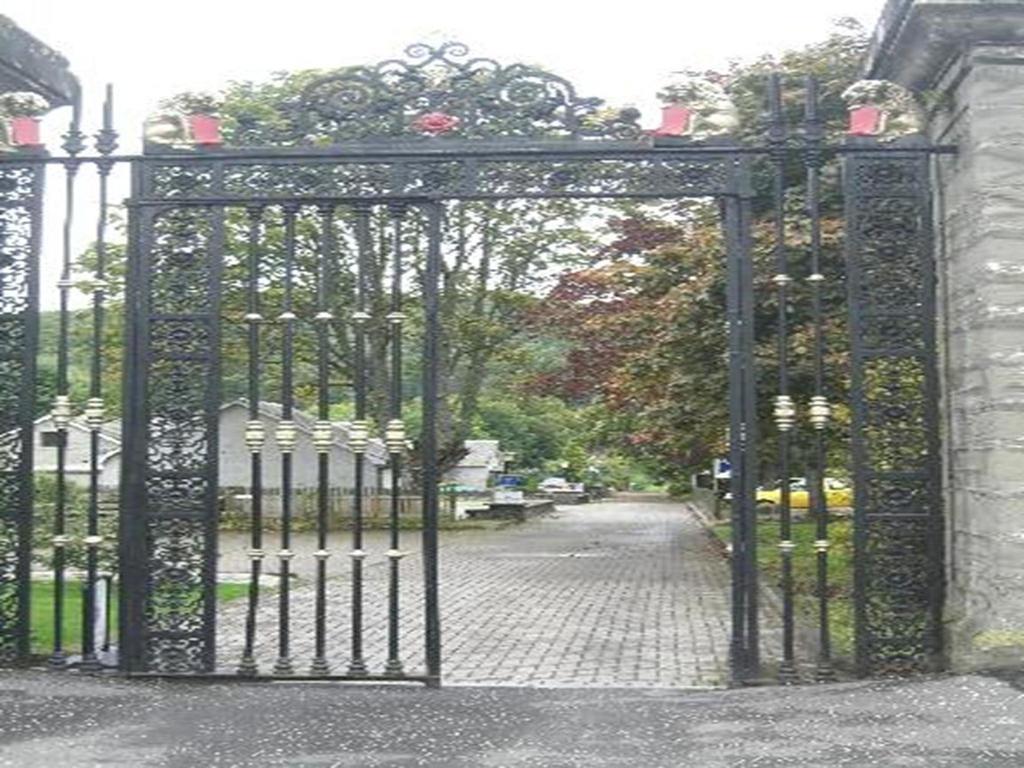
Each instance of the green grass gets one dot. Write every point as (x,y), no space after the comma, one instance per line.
(43,604)
(805,572)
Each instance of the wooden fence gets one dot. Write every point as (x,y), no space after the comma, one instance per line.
(237,503)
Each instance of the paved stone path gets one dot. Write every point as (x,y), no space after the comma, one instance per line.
(621,593)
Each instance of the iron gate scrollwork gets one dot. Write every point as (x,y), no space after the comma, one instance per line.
(172,404)
(21,194)
(895,395)
(576,171)
(441,92)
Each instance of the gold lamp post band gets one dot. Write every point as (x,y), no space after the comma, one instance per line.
(255,435)
(323,436)
(785,413)
(394,436)
(95,413)
(286,436)
(358,436)
(61,412)
(819,412)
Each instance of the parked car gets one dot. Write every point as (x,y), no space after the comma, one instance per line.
(837,494)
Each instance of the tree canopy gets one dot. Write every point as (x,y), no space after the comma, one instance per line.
(575,332)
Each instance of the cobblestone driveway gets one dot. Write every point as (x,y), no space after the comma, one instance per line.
(621,593)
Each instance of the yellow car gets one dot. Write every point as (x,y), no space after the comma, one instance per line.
(837,494)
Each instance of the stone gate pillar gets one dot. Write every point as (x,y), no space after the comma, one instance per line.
(965,59)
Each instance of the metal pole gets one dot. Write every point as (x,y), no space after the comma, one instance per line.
(749,440)
(255,439)
(95,413)
(395,440)
(286,438)
(323,437)
(74,143)
(734,246)
(359,432)
(428,440)
(785,410)
(819,411)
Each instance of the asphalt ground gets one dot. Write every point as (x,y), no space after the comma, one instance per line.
(60,719)
(575,640)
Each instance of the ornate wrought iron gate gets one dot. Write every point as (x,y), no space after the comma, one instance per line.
(893,402)
(174,396)
(403,140)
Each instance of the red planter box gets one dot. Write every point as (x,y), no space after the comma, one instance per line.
(867,121)
(205,129)
(676,120)
(25,132)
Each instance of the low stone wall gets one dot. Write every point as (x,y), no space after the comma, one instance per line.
(714,508)
(237,502)
(530,508)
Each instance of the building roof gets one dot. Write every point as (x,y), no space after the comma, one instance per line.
(27,64)
(482,453)
(111,430)
(376,449)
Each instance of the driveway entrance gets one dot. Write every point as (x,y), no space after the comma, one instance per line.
(623,593)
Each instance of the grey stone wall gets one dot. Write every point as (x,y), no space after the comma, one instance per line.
(974,89)
(981,196)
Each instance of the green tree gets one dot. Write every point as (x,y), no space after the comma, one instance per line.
(653,352)
(496,255)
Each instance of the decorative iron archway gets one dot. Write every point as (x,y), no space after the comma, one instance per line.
(405,137)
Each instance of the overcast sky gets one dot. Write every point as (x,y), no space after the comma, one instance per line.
(620,51)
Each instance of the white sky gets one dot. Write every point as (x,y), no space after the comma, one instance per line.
(619,51)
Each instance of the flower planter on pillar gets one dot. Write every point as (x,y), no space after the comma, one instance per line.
(696,107)
(25,132)
(867,120)
(205,130)
(676,120)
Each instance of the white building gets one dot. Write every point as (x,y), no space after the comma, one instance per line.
(44,452)
(484,459)
(235,456)
(234,469)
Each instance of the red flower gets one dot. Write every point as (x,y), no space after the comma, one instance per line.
(435,123)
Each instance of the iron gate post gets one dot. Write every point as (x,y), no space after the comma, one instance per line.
(745,643)
(429,442)
(734,247)
(132,559)
(22,203)
(898,522)
(750,437)
(168,525)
